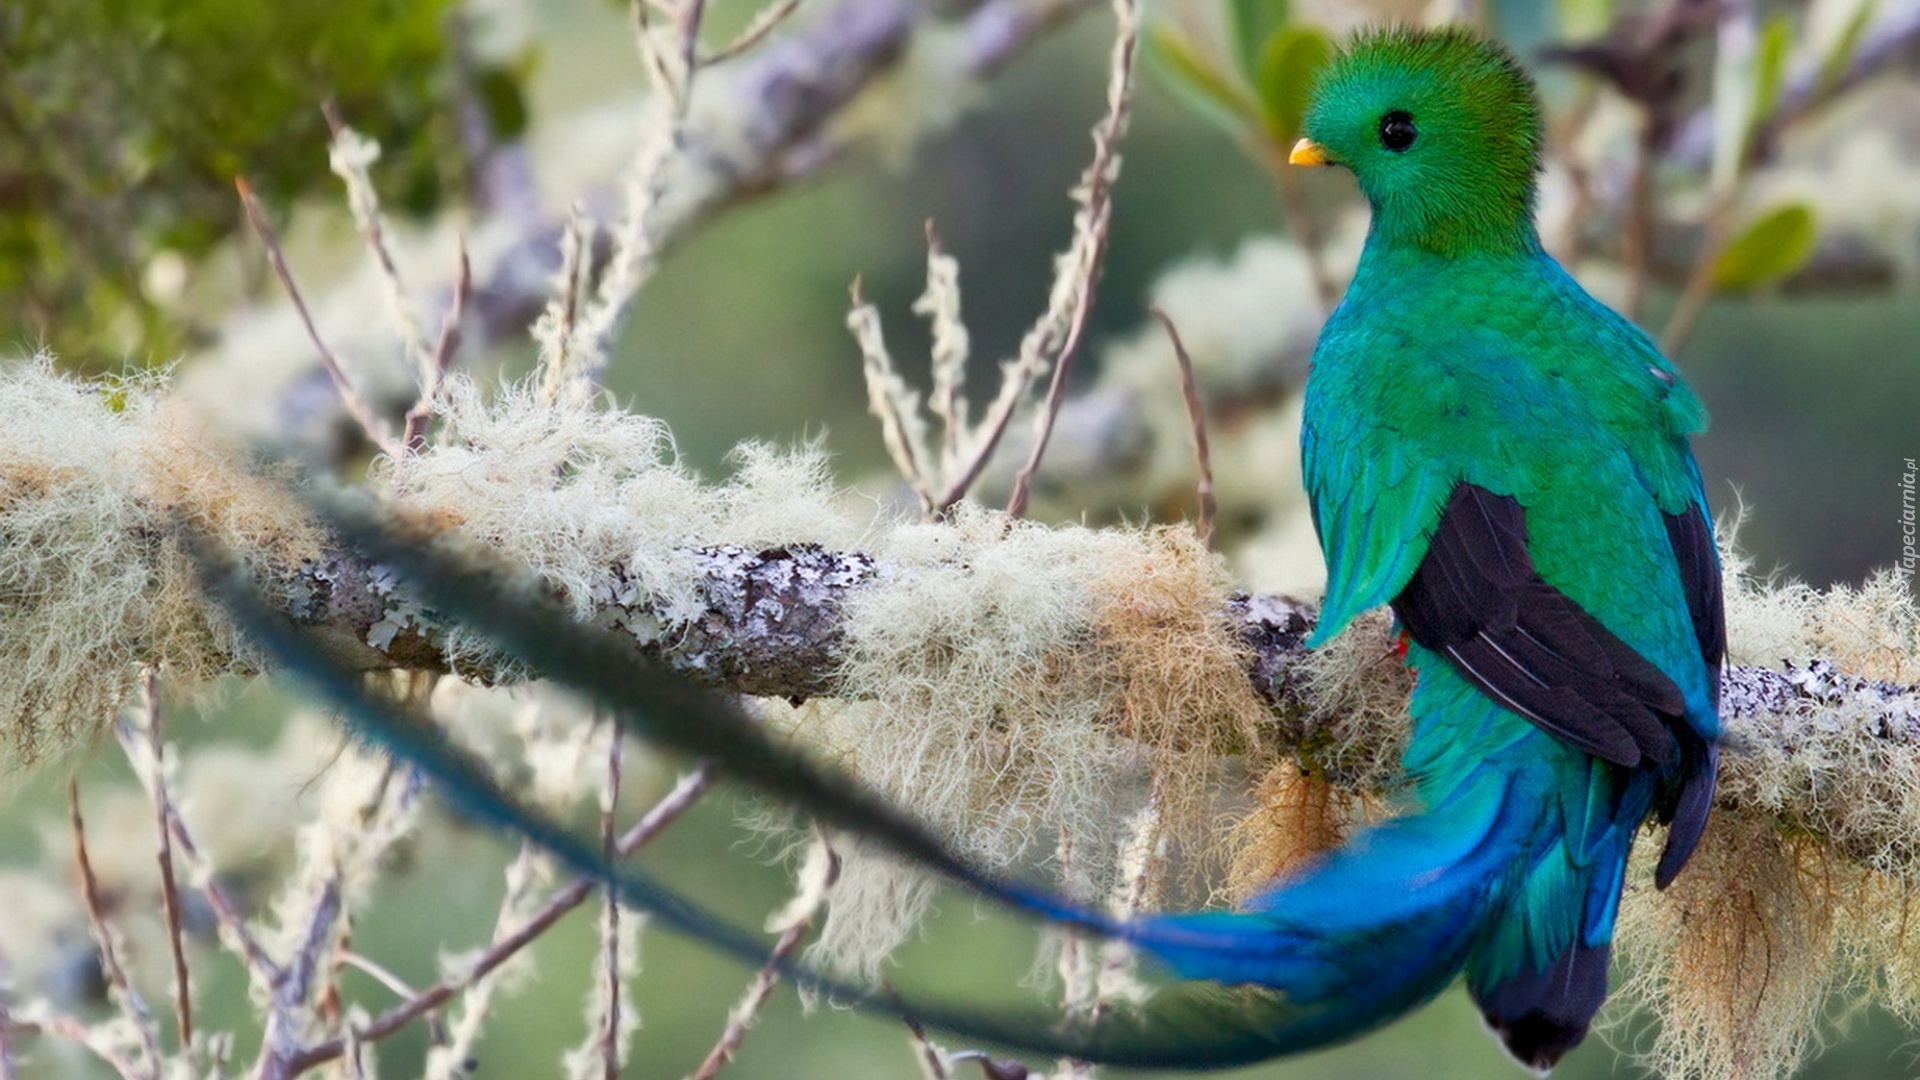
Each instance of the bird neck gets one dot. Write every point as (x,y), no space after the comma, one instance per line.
(1399,274)
(1431,226)
(1396,238)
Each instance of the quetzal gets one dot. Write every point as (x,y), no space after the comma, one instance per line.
(1489,451)
(1502,460)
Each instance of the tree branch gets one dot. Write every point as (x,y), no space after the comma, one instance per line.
(773,626)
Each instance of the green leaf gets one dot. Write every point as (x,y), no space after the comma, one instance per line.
(1252,24)
(1582,20)
(1292,58)
(1212,94)
(1771,65)
(1775,245)
(1835,65)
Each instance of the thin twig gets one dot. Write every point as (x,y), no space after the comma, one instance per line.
(799,921)
(636,251)
(1569,246)
(169,891)
(350,398)
(225,911)
(349,156)
(554,329)
(1700,278)
(1197,419)
(376,971)
(123,992)
(1637,236)
(74,1030)
(610,917)
(1091,233)
(1302,225)
(664,813)
(763,24)
(932,1062)
(414,434)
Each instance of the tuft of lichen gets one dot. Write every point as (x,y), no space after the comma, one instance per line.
(1737,955)
(570,492)
(1020,687)
(98,483)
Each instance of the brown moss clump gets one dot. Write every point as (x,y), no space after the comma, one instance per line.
(1738,956)
(1297,814)
(1178,674)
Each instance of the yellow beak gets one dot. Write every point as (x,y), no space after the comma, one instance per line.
(1308,152)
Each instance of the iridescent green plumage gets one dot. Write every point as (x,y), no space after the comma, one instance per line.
(1466,376)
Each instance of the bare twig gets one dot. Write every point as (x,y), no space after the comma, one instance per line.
(798,918)
(555,328)
(1700,278)
(350,156)
(763,24)
(1302,225)
(1055,340)
(414,435)
(933,1063)
(1737,33)
(235,932)
(889,398)
(350,398)
(1197,417)
(1637,235)
(169,892)
(636,247)
(610,917)
(124,994)
(664,813)
(376,971)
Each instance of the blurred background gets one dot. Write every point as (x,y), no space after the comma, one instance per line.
(121,249)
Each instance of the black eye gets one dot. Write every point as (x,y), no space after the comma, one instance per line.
(1397,131)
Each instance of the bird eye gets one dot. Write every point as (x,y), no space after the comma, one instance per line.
(1397,131)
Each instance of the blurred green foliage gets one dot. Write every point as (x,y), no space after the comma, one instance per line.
(124,122)
(1774,245)
(1255,84)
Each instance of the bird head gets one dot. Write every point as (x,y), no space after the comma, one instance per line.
(1442,130)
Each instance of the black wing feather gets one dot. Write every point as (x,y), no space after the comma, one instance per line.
(1685,811)
(1477,599)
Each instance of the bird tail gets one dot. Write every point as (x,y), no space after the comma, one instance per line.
(1480,882)
(1369,931)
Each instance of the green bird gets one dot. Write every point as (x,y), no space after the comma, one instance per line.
(1489,451)
(1504,461)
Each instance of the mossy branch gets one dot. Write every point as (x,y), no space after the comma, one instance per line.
(772,625)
